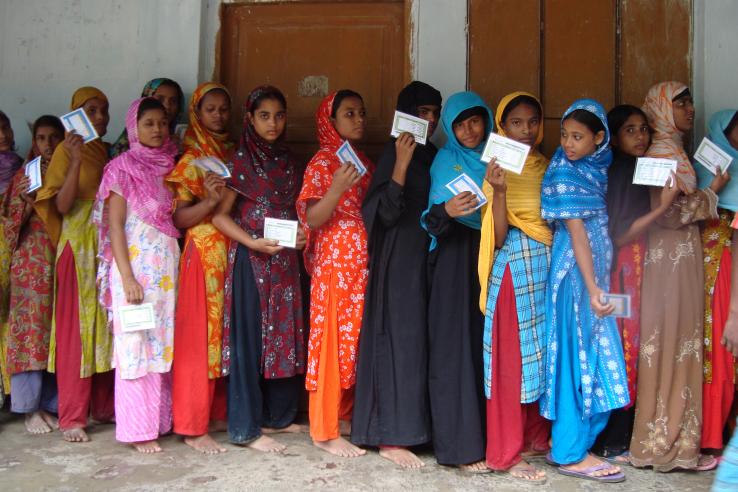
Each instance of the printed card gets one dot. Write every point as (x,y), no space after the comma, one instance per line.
(712,157)
(214,165)
(346,153)
(137,317)
(282,231)
(464,183)
(78,122)
(33,171)
(652,171)
(621,303)
(510,154)
(407,123)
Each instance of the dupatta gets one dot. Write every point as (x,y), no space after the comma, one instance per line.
(728,196)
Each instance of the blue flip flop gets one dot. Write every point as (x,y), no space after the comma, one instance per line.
(588,474)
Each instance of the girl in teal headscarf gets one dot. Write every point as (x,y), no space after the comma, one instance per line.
(454,320)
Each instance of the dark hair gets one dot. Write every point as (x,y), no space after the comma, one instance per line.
(340,96)
(268,93)
(684,93)
(473,111)
(517,101)
(148,104)
(618,115)
(47,121)
(586,118)
(731,125)
(212,91)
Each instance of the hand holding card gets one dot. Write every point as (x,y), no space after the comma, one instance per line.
(464,183)
(510,154)
(346,153)
(712,157)
(33,171)
(213,165)
(652,171)
(78,122)
(407,123)
(621,303)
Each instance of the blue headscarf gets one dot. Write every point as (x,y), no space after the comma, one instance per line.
(454,159)
(728,196)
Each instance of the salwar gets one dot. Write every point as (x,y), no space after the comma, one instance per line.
(78,397)
(196,399)
(253,401)
(32,391)
(512,426)
(143,407)
(572,433)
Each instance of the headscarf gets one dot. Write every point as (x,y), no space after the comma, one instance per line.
(667,140)
(9,163)
(200,142)
(94,157)
(728,196)
(523,200)
(454,159)
(121,145)
(416,94)
(138,176)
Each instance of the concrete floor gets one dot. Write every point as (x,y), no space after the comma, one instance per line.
(48,463)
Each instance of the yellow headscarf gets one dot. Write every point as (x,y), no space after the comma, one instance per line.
(94,157)
(523,202)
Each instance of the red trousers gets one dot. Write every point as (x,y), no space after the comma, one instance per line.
(196,399)
(512,427)
(78,397)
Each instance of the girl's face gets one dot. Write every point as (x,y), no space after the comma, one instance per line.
(169,97)
(350,120)
(634,136)
(215,111)
(153,128)
(470,132)
(6,136)
(97,111)
(430,113)
(683,109)
(578,141)
(269,119)
(45,141)
(522,124)
(733,137)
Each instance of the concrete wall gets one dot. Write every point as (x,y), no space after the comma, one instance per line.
(48,48)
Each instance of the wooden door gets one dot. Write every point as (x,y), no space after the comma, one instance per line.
(561,50)
(308,49)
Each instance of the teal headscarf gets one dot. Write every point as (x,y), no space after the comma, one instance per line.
(454,159)
(728,196)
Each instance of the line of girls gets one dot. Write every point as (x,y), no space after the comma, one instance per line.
(431,320)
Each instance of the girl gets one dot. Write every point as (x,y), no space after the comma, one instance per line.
(80,350)
(169,93)
(329,208)
(716,239)
(391,409)
(585,370)
(513,264)
(31,287)
(139,255)
(629,213)
(263,319)
(668,420)
(454,321)
(198,391)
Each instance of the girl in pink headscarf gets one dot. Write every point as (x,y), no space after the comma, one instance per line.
(139,258)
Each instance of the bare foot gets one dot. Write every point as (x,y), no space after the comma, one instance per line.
(478,467)
(344,427)
(218,426)
(147,447)
(204,444)
(290,429)
(75,435)
(340,447)
(35,424)
(266,444)
(526,471)
(50,420)
(590,461)
(402,457)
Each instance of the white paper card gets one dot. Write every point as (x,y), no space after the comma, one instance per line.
(78,122)
(712,157)
(180,130)
(136,317)
(510,154)
(214,165)
(621,302)
(283,231)
(464,183)
(346,153)
(33,171)
(407,123)
(652,171)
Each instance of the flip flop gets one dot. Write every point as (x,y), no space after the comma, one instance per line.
(710,465)
(587,474)
(619,459)
(532,481)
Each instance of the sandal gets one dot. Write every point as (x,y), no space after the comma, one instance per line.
(589,474)
(708,463)
(523,467)
(619,459)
